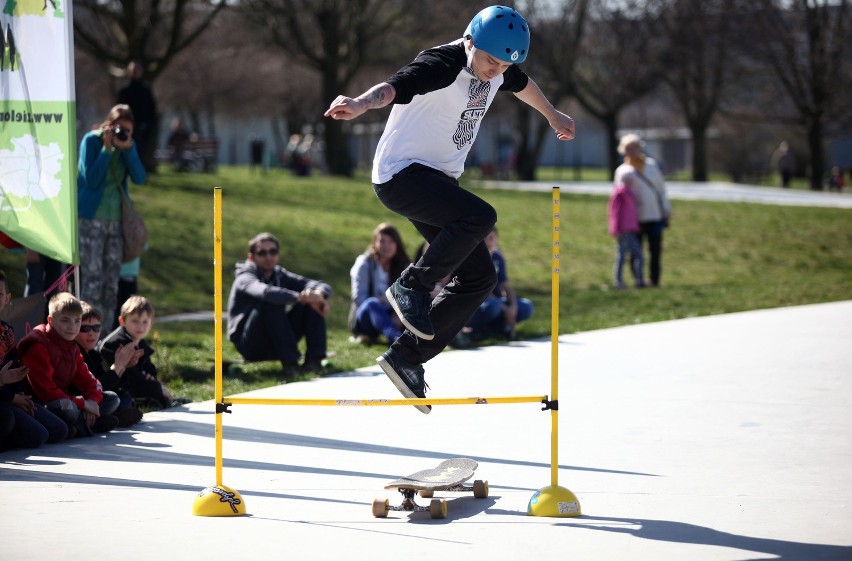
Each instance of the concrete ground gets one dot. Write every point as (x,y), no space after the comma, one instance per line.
(717,438)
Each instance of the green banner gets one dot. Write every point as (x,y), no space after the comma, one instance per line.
(38,151)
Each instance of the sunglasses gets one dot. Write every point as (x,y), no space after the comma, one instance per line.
(264,252)
(95,327)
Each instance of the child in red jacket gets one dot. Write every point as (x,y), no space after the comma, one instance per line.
(58,374)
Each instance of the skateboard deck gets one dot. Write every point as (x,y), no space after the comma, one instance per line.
(449,475)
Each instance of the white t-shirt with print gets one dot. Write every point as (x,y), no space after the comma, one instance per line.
(437,111)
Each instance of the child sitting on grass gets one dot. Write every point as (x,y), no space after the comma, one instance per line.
(23,422)
(140,379)
(109,374)
(58,374)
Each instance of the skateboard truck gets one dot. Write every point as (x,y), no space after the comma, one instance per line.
(437,507)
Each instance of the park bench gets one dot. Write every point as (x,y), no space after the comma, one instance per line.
(198,155)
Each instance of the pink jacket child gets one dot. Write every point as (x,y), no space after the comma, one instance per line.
(622,211)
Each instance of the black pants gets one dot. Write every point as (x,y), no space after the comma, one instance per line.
(454,222)
(41,275)
(271,334)
(127,287)
(653,231)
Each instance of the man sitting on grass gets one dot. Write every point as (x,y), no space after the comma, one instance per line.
(270,309)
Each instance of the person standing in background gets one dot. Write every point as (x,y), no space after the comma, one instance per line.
(137,94)
(655,210)
(783,161)
(108,156)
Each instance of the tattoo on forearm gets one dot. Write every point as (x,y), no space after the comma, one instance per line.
(378,96)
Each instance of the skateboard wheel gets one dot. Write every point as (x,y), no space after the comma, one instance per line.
(438,508)
(381,508)
(427,493)
(480,489)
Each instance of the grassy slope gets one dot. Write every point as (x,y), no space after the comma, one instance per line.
(719,258)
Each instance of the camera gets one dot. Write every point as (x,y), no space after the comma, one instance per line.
(120,133)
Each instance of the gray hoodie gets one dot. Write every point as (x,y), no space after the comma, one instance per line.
(250,289)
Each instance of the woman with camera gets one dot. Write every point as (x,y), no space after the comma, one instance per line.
(108,156)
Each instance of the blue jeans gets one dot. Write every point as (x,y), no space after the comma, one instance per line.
(454,222)
(31,431)
(68,411)
(271,334)
(373,318)
(488,320)
(7,421)
(629,243)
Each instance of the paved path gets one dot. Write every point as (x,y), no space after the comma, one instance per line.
(705,439)
(712,191)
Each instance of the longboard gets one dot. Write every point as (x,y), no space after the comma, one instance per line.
(449,476)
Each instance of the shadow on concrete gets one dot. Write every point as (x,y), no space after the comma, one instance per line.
(127,448)
(123,447)
(681,532)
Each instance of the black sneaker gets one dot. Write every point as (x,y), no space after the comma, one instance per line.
(292,371)
(128,416)
(313,366)
(412,308)
(407,377)
(104,423)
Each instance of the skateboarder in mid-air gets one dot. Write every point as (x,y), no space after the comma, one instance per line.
(439,100)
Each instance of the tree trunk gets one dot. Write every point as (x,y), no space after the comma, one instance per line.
(610,121)
(336,149)
(524,159)
(336,142)
(815,148)
(533,132)
(699,154)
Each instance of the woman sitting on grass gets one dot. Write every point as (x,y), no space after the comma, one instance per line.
(370,315)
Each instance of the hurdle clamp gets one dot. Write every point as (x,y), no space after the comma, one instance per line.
(552,404)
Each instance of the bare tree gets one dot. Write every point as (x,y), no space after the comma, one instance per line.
(805,43)
(115,32)
(336,38)
(618,62)
(695,63)
(239,76)
(118,31)
(555,44)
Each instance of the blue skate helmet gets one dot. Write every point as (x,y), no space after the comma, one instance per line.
(501,32)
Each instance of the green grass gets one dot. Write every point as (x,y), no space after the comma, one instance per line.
(719,258)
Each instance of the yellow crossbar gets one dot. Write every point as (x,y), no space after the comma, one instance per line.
(388,402)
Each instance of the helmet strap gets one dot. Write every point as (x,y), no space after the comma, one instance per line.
(468,45)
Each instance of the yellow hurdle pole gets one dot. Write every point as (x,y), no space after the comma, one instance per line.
(217,322)
(554,500)
(218,500)
(386,402)
(554,344)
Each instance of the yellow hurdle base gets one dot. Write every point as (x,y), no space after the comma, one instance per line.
(554,501)
(218,500)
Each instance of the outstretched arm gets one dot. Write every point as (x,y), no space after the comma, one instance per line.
(347,108)
(559,122)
